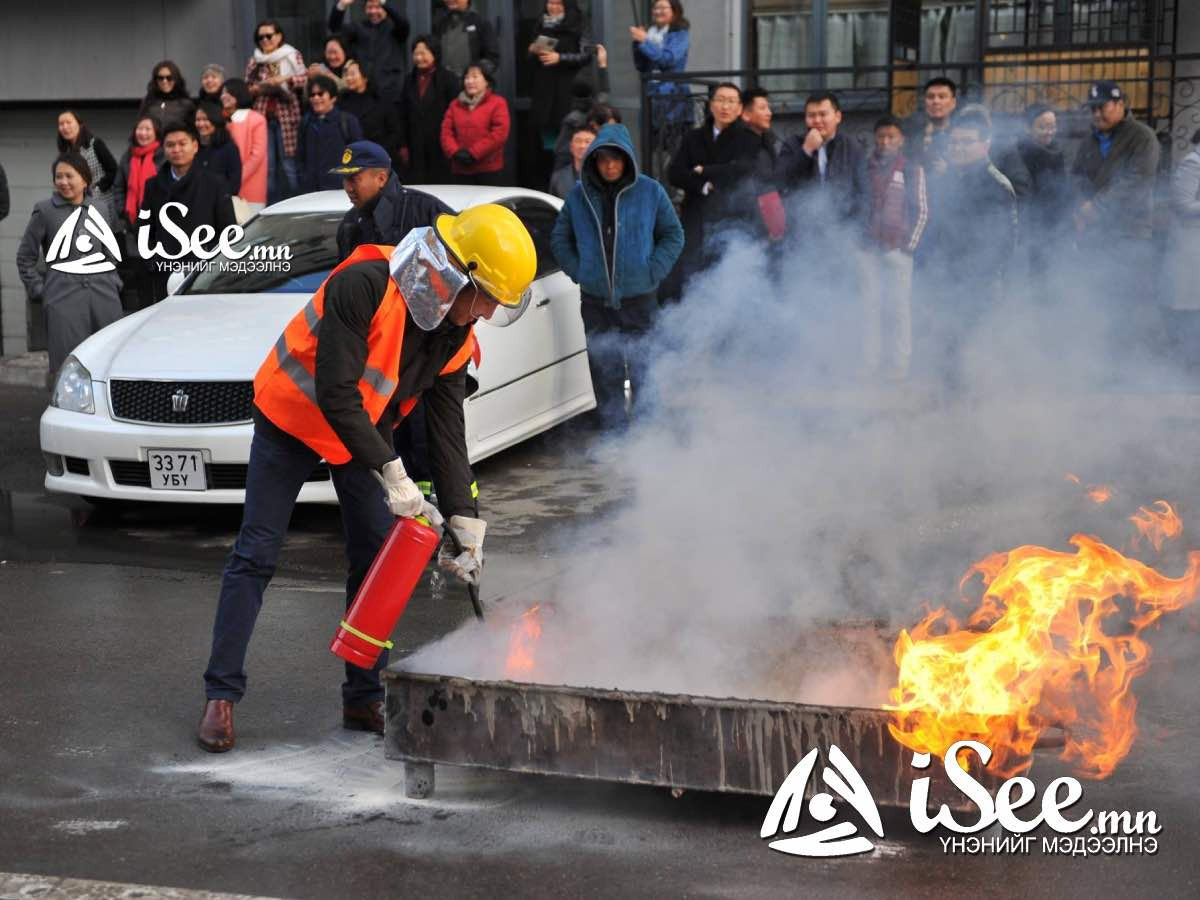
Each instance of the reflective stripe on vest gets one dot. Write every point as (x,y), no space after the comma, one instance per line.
(285,387)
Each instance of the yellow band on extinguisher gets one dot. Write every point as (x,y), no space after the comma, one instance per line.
(386,645)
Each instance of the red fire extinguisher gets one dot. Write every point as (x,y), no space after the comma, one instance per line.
(385,592)
(389,584)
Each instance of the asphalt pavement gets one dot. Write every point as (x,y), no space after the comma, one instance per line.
(106,621)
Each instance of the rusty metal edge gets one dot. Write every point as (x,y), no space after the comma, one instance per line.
(396,672)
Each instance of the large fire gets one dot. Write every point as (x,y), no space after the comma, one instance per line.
(1054,642)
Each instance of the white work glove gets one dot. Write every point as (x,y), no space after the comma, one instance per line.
(403,498)
(468,565)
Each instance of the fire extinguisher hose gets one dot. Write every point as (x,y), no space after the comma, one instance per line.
(472,589)
(432,515)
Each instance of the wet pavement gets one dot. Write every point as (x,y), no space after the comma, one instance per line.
(106,625)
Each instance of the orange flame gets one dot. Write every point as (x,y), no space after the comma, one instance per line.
(1097,493)
(522,641)
(1158,524)
(1055,641)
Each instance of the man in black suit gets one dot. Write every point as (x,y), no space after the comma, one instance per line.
(204,196)
(823,171)
(712,166)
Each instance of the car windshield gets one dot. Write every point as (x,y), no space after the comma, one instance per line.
(312,239)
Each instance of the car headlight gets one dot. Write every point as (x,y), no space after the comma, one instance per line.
(73,389)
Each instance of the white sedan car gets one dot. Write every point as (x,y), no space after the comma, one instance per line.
(157,406)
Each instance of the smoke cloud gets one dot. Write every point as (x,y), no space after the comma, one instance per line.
(771,495)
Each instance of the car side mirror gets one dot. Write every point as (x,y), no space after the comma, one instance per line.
(175,282)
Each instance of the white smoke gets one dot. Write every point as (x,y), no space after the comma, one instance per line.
(771,496)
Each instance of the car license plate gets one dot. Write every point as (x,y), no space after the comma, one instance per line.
(176,470)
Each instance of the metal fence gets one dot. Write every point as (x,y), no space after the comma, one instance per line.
(1163,91)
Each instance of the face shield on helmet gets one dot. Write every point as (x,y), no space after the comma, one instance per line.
(427,279)
(504,315)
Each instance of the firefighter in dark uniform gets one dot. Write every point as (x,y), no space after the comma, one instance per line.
(384,210)
(388,325)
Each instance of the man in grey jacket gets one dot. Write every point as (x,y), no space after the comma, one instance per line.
(1114,169)
(1113,175)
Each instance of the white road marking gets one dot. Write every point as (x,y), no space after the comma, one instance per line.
(86,826)
(19,886)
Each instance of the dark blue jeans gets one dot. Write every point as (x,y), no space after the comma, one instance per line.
(277,471)
(614,338)
(281,170)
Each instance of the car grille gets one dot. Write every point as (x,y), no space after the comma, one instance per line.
(217,476)
(203,402)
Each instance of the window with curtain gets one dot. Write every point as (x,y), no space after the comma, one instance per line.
(783,39)
(948,31)
(856,34)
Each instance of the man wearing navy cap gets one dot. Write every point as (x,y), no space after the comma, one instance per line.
(1113,175)
(1114,169)
(384,211)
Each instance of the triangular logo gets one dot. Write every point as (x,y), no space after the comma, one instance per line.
(834,840)
(95,259)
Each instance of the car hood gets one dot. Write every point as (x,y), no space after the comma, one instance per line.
(209,337)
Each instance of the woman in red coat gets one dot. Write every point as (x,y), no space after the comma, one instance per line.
(475,129)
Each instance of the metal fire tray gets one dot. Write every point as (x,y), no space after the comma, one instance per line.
(670,740)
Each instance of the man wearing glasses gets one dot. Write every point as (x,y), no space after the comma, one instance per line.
(711,167)
(387,326)
(275,77)
(325,131)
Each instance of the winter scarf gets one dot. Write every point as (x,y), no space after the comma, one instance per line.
(281,61)
(141,170)
(471,104)
(656,34)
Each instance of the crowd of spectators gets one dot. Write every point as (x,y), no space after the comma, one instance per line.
(930,195)
(941,205)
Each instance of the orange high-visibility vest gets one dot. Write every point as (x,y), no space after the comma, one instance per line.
(285,387)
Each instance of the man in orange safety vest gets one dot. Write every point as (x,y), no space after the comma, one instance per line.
(387,325)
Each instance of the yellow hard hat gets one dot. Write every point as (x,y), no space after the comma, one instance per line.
(494,248)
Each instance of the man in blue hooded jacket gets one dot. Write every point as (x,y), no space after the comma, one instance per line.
(617,237)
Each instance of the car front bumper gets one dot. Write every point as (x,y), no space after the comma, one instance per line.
(99,457)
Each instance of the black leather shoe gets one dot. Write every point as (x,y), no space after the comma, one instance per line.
(364,718)
(216,726)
